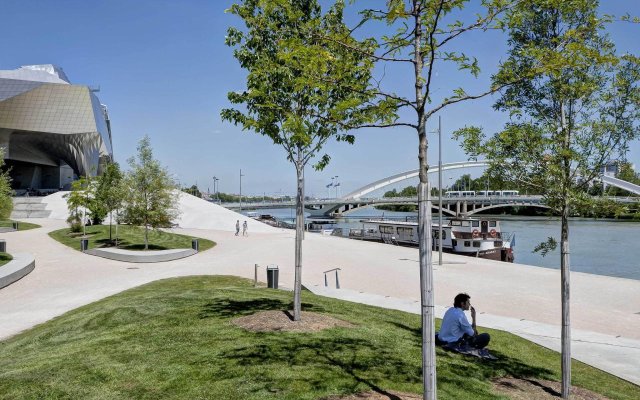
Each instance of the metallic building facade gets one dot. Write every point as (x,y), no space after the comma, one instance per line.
(51,131)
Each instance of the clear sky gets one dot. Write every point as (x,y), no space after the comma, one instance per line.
(164,70)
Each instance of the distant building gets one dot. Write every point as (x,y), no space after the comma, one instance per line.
(51,131)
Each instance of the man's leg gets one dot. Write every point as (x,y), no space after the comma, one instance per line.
(480,341)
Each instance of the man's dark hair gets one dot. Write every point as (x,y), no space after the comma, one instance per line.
(460,298)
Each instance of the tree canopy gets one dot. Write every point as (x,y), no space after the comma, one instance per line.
(302,90)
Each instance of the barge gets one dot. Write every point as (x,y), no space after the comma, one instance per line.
(473,237)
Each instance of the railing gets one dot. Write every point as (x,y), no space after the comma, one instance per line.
(326,281)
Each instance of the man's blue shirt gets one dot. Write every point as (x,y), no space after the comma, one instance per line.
(454,325)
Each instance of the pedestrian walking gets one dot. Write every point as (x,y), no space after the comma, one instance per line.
(244,229)
(237,227)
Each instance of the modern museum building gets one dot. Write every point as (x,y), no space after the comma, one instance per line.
(51,131)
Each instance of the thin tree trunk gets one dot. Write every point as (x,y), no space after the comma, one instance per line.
(424,221)
(146,237)
(297,288)
(565,269)
(117,217)
(426,292)
(110,224)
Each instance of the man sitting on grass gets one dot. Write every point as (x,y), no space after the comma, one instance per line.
(456,328)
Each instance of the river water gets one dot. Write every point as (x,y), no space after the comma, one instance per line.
(603,247)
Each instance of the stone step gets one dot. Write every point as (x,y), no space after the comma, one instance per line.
(27,200)
(30,214)
(29,206)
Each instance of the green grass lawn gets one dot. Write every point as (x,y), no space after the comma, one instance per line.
(22,226)
(129,237)
(5,258)
(173,339)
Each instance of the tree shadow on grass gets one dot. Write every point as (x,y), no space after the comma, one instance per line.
(327,363)
(504,365)
(110,242)
(139,246)
(126,245)
(234,308)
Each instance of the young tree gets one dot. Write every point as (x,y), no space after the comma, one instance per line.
(578,111)
(301,90)
(151,195)
(110,191)
(427,36)
(78,200)
(6,193)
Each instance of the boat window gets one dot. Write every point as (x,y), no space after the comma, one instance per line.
(465,223)
(444,235)
(497,243)
(492,224)
(436,234)
(404,231)
(476,243)
(385,229)
(454,242)
(467,243)
(455,223)
(475,223)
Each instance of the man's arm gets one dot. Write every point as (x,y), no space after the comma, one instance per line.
(464,324)
(473,320)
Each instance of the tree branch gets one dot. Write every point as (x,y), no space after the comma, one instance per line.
(432,51)
(478,24)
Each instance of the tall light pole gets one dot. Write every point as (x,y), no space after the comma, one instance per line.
(440,190)
(215,191)
(336,185)
(241,189)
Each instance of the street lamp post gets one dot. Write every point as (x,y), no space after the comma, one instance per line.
(336,185)
(241,190)
(215,190)
(440,190)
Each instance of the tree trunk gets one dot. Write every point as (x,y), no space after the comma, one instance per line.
(426,292)
(146,237)
(424,219)
(565,269)
(566,323)
(110,224)
(297,287)
(117,215)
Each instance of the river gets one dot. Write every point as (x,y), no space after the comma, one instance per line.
(603,247)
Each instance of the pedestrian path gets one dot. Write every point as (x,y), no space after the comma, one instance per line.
(616,355)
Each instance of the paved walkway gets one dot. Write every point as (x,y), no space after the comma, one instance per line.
(65,279)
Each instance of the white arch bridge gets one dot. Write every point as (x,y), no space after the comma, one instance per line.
(451,206)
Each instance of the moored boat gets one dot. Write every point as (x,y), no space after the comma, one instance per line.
(466,236)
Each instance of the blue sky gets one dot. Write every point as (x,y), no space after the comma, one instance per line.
(164,70)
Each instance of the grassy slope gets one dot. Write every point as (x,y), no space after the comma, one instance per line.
(5,258)
(129,237)
(22,226)
(172,339)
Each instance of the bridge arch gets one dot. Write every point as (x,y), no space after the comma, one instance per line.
(408,175)
(609,180)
